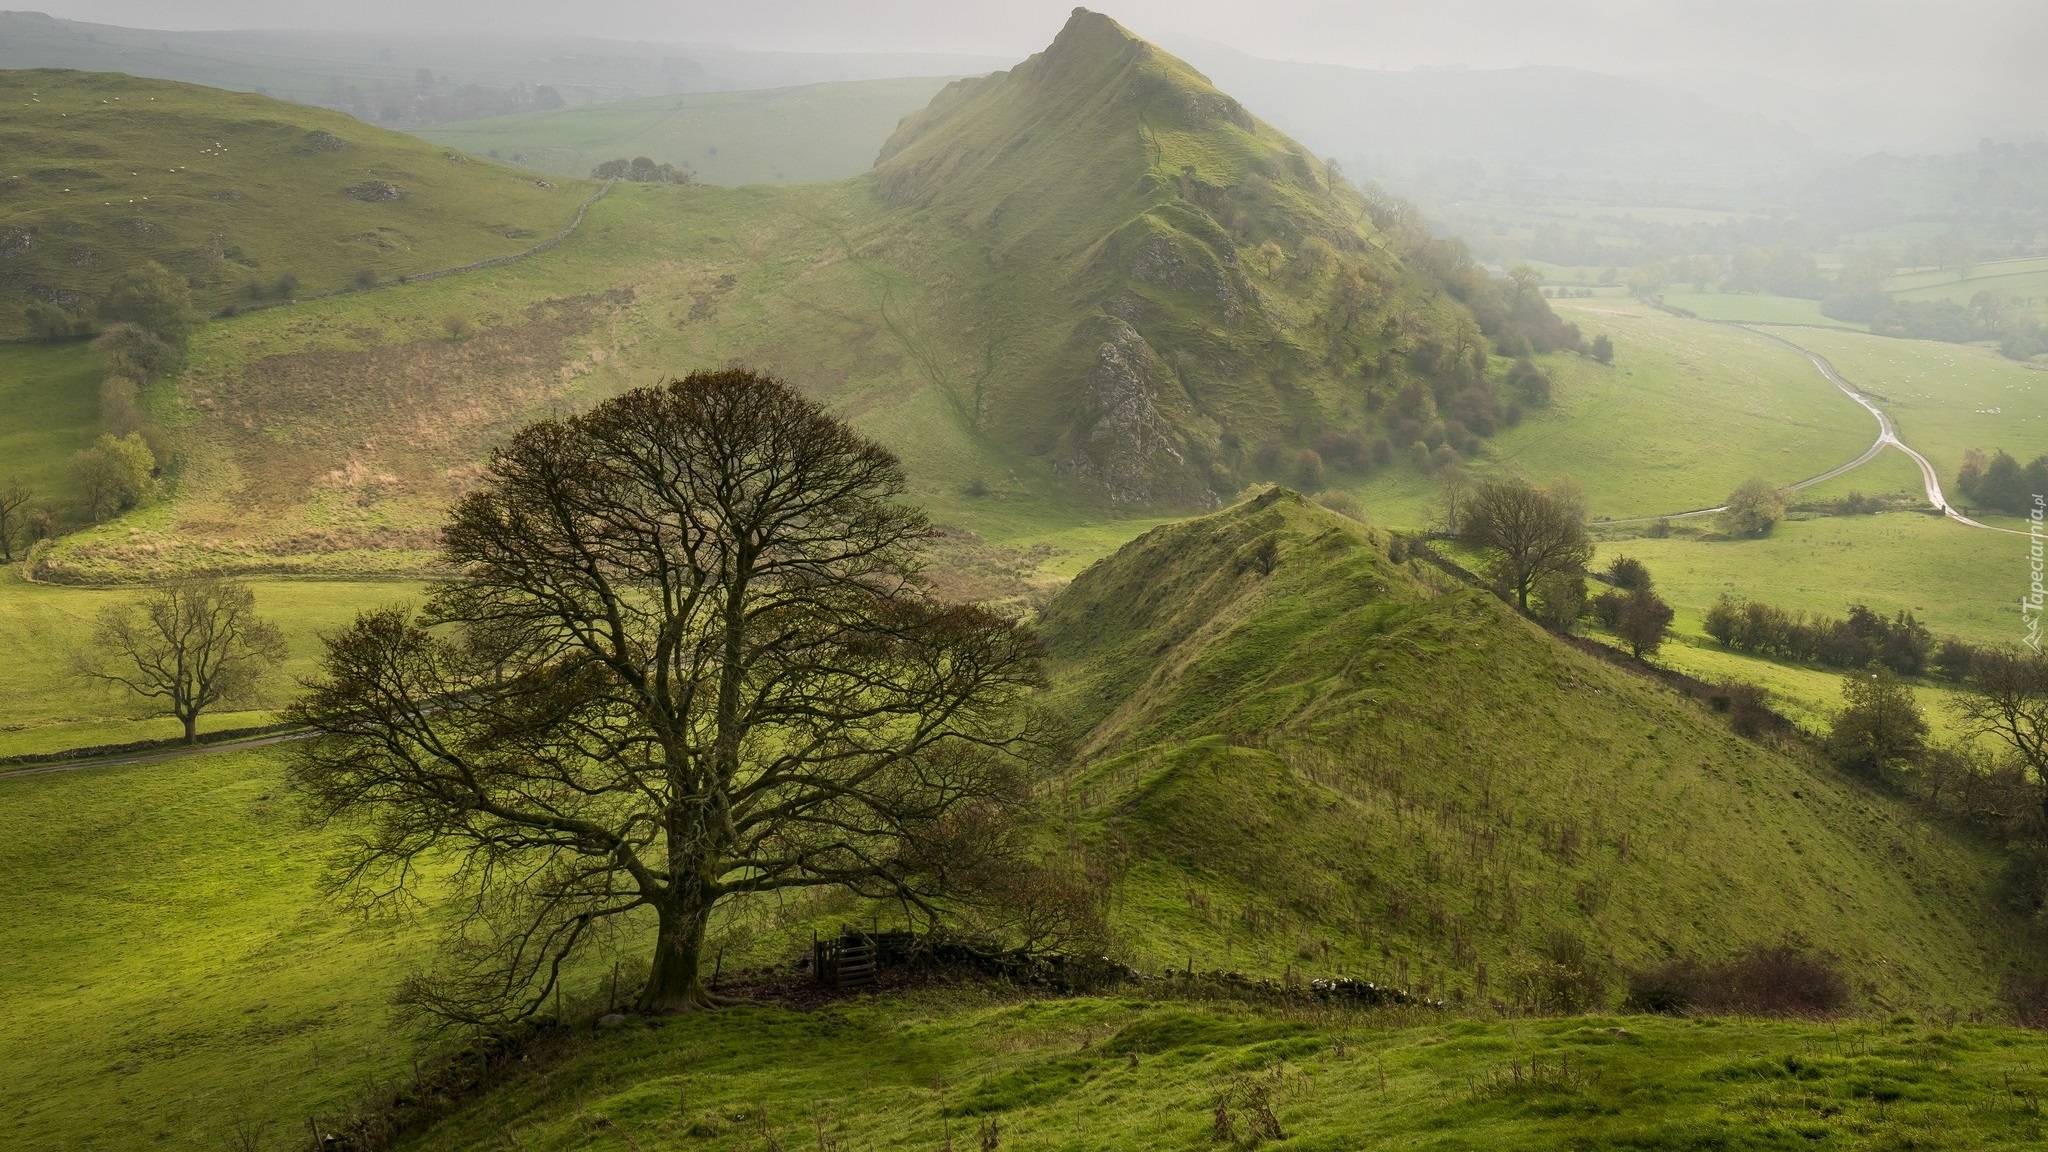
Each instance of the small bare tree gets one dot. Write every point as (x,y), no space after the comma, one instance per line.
(2006,699)
(14,501)
(687,657)
(190,646)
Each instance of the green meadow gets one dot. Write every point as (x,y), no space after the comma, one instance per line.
(1752,308)
(50,710)
(169,968)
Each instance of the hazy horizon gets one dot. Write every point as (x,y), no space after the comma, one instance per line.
(1972,49)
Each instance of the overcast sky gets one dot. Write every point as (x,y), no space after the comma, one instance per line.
(1984,46)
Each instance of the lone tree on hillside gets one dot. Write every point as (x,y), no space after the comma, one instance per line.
(113,473)
(191,646)
(687,656)
(1754,508)
(1881,726)
(2007,699)
(1526,533)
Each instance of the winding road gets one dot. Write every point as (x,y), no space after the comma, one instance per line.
(1887,437)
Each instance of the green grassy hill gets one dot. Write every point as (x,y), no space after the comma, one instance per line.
(100,172)
(1346,764)
(809,134)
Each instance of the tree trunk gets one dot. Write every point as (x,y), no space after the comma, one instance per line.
(191,728)
(675,984)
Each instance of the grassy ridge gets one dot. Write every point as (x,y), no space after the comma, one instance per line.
(805,135)
(1335,765)
(104,171)
(1132,1074)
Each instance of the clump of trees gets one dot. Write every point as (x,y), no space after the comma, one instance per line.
(1861,639)
(2001,482)
(1753,509)
(185,649)
(1632,610)
(686,658)
(113,473)
(642,170)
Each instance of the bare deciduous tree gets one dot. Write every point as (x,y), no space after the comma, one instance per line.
(2006,699)
(1526,533)
(190,645)
(14,502)
(688,656)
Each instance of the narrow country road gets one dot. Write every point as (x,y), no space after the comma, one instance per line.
(1887,437)
(1887,434)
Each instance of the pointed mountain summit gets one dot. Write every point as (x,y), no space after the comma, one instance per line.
(1179,297)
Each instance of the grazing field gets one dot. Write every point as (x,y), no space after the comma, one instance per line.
(168,969)
(49,710)
(804,135)
(1809,697)
(1754,308)
(1945,398)
(1957,580)
(935,1070)
(249,198)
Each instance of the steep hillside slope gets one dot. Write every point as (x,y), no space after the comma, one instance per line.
(801,135)
(99,172)
(1165,283)
(1335,763)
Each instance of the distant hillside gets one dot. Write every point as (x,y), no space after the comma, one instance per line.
(1341,761)
(408,79)
(250,198)
(1087,285)
(771,136)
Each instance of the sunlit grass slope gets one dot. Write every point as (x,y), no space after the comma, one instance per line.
(99,172)
(814,133)
(168,968)
(1334,765)
(933,1070)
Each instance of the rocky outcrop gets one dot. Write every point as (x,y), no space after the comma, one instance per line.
(1123,440)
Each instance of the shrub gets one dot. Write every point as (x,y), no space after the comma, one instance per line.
(1342,503)
(458,327)
(366,277)
(1783,979)
(1559,598)
(1308,470)
(1560,980)
(1628,574)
